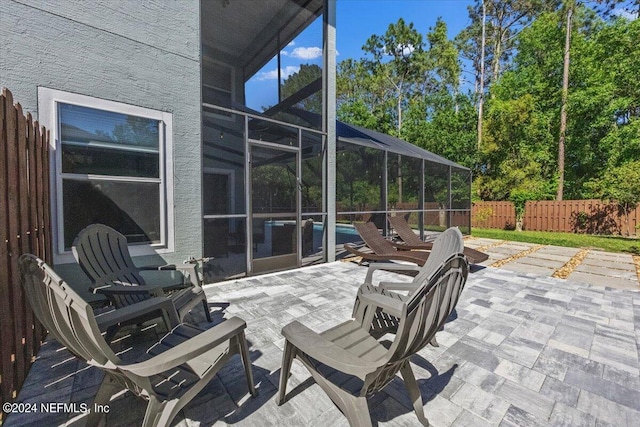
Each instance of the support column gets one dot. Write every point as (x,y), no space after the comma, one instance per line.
(329,126)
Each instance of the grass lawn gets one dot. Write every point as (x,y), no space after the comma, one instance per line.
(605,243)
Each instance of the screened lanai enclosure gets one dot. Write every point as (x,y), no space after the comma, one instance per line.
(378,175)
(277,175)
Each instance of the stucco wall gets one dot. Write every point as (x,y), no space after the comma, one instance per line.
(141,53)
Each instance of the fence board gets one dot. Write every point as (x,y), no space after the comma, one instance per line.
(13,230)
(21,310)
(500,215)
(6,320)
(24,227)
(578,216)
(570,216)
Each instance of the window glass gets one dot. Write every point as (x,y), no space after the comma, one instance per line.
(116,204)
(359,178)
(312,161)
(436,186)
(295,90)
(403,182)
(460,194)
(274,181)
(223,157)
(107,143)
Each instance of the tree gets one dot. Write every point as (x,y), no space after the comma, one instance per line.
(569,6)
(442,59)
(397,57)
(620,185)
(481,88)
(490,40)
(516,154)
(295,83)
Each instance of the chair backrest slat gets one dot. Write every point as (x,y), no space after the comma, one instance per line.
(448,243)
(103,255)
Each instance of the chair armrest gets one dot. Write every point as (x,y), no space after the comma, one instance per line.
(189,349)
(324,351)
(116,289)
(189,269)
(398,286)
(388,304)
(388,266)
(140,309)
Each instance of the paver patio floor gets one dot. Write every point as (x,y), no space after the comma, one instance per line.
(521,350)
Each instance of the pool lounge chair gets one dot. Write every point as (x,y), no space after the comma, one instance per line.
(383,249)
(171,374)
(412,240)
(350,349)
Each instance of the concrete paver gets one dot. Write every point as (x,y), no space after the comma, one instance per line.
(597,268)
(522,349)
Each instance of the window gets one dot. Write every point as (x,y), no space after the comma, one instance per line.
(111,166)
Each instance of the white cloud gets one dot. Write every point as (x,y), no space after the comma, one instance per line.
(406,50)
(273,74)
(306,53)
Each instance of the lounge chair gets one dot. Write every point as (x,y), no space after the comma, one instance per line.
(174,370)
(349,348)
(382,249)
(412,240)
(103,255)
(447,244)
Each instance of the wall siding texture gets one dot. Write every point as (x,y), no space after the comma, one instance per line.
(141,53)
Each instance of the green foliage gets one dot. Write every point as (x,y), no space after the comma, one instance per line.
(307,74)
(408,85)
(621,185)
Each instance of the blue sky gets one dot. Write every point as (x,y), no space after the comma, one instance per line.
(357,20)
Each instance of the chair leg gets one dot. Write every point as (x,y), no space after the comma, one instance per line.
(287,360)
(246,361)
(414,393)
(207,313)
(357,412)
(107,388)
(154,413)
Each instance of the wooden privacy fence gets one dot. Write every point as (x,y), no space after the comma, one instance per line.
(570,216)
(500,215)
(579,216)
(24,228)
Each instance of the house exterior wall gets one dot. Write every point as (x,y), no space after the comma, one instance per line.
(142,53)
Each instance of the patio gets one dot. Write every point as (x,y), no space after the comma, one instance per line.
(522,350)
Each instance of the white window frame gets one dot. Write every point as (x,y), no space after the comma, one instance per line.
(48,100)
